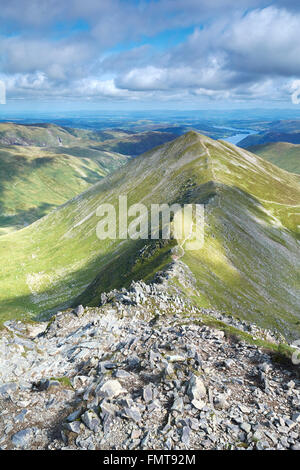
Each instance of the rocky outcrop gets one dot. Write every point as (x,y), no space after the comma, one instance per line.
(143,371)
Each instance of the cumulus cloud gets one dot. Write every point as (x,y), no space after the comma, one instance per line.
(295,91)
(246,55)
(237,50)
(57,59)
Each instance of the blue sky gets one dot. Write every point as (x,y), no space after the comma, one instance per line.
(150,54)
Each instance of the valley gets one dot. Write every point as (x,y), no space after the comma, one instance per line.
(43,166)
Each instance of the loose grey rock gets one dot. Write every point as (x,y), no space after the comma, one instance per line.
(113,378)
(78,311)
(132,413)
(8,388)
(196,388)
(178,405)
(246,427)
(111,388)
(22,439)
(91,420)
(75,427)
(185,437)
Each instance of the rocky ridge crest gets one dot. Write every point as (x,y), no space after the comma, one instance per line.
(144,371)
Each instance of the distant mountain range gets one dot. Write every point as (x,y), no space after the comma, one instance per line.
(249,265)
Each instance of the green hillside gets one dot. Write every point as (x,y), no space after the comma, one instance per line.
(52,137)
(33,181)
(282,154)
(269,137)
(249,265)
(44,165)
(42,135)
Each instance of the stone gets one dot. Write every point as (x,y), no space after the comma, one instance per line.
(147,393)
(132,413)
(221,402)
(8,388)
(228,363)
(244,409)
(78,311)
(296,446)
(121,374)
(75,427)
(136,384)
(199,404)
(178,405)
(22,439)
(74,415)
(196,389)
(257,436)
(21,416)
(107,409)
(136,433)
(246,427)
(91,420)
(176,358)
(110,389)
(185,436)
(264,367)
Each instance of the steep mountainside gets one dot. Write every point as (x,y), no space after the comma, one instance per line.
(270,136)
(43,135)
(34,181)
(44,165)
(52,136)
(282,154)
(133,143)
(249,265)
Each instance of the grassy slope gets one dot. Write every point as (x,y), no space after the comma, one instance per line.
(34,179)
(282,154)
(135,144)
(42,135)
(250,262)
(270,136)
(53,136)
(44,165)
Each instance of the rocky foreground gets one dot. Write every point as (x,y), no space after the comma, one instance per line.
(143,371)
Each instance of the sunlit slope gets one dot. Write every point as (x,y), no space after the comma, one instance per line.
(44,165)
(282,154)
(249,264)
(70,140)
(33,180)
(42,135)
(266,137)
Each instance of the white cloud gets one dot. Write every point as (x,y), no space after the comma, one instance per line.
(58,60)
(264,41)
(92,87)
(237,54)
(295,91)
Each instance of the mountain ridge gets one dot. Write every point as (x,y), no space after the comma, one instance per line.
(45,165)
(252,239)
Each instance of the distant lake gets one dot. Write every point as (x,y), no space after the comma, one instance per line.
(240,134)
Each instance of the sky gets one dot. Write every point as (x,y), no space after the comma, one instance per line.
(150,54)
